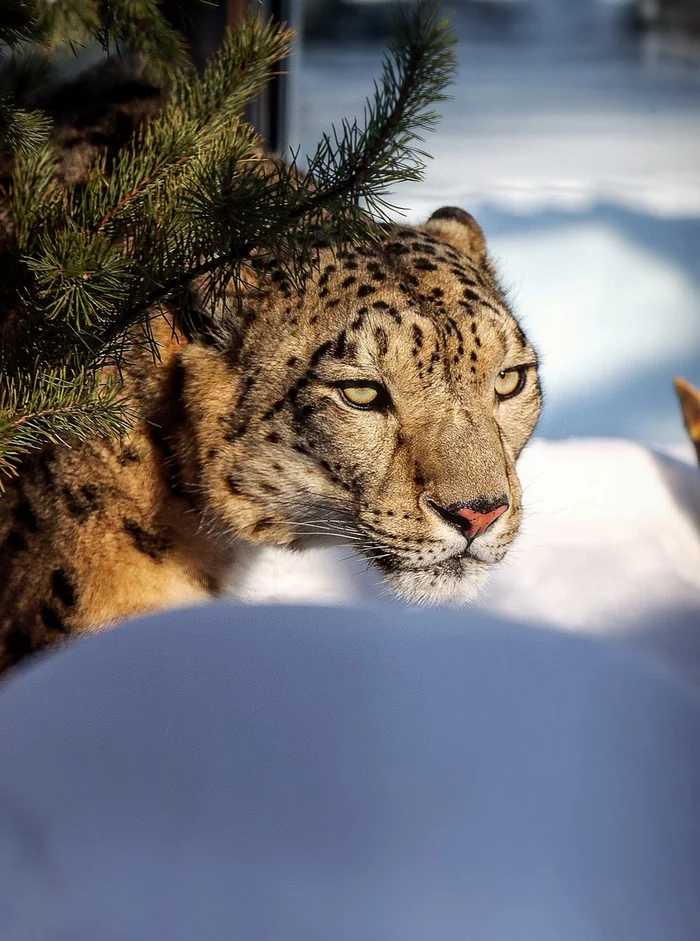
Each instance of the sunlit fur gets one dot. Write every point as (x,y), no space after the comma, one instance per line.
(421,314)
(247,439)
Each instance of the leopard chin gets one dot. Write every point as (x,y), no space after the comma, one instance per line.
(456,581)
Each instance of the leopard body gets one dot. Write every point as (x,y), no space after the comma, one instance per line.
(252,439)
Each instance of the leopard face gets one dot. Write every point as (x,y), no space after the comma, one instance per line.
(383,409)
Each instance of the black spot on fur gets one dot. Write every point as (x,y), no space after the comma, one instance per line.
(52,620)
(292,361)
(24,516)
(154,545)
(85,502)
(273,437)
(382,341)
(16,541)
(128,455)
(327,272)
(237,431)
(351,279)
(423,264)
(340,344)
(320,352)
(233,485)
(396,248)
(63,588)
(365,290)
(357,322)
(18,643)
(456,329)
(417,335)
(45,463)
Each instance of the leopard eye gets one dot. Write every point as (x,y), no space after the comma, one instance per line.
(509,382)
(363,395)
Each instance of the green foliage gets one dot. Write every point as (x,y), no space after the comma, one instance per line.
(181,210)
(135,24)
(60,407)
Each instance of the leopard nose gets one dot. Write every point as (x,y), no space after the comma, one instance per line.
(473,518)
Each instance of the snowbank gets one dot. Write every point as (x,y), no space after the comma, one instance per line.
(356,773)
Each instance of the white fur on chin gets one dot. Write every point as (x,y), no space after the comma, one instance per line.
(439,585)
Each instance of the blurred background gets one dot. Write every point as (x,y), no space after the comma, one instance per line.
(574,137)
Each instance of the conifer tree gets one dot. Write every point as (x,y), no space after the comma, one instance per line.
(188,201)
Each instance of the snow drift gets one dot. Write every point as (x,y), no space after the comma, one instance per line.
(363,773)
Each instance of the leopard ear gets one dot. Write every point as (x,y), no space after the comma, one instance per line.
(459,229)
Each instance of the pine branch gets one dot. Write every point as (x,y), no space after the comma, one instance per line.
(198,113)
(18,22)
(140,26)
(181,213)
(346,171)
(21,130)
(59,408)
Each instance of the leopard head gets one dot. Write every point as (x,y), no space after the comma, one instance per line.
(382,408)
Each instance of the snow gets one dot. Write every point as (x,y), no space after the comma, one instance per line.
(378,773)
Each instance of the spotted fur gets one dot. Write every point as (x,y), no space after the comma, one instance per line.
(248,441)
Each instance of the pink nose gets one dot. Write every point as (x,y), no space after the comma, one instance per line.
(473,518)
(478,521)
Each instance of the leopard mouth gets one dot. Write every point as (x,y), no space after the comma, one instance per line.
(457,579)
